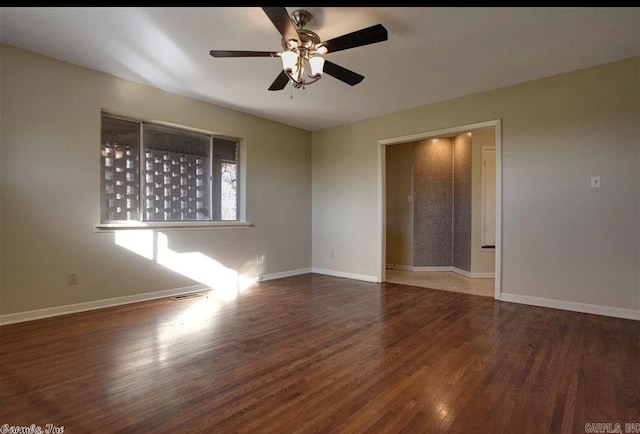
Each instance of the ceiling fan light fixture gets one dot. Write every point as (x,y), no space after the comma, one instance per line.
(303,61)
(289,61)
(317,65)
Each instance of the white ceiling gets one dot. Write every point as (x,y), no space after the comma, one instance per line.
(432,54)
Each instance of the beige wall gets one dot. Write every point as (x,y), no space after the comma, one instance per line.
(399,210)
(482,260)
(50,189)
(561,239)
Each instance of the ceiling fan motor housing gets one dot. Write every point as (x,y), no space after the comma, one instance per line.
(307,38)
(301,17)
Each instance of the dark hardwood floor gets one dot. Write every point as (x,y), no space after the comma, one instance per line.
(318,354)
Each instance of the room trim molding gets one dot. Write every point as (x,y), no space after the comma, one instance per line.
(381,183)
(474,275)
(48,312)
(617,312)
(282,274)
(336,273)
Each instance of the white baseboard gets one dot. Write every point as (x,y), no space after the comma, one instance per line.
(617,312)
(335,273)
(282,274)
(436,269)
(117,301)
(472,275)
(93,305)
(441,269)
(400,267)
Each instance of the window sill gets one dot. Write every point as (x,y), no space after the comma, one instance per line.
(111,227)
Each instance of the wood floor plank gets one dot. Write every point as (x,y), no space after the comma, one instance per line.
(320,354)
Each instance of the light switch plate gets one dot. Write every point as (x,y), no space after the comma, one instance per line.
(595,181)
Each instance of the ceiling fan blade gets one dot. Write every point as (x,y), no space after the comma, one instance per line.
(280,18)
(342,74)
(227,53)
(367,36)
(280,82)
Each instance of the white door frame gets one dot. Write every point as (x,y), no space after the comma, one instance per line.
(382,200)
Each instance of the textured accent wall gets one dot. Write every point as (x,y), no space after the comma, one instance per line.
(432,212)
(461,254)
(442,202)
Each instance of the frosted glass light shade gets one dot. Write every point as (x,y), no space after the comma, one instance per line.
(317,64)
(289,60)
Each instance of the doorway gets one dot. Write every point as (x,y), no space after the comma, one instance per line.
(439,274)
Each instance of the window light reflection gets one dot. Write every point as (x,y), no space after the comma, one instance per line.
(197,266)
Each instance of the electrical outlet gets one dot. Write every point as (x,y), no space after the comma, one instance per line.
(260,277)
(73,279)
(260,258)
(595,181)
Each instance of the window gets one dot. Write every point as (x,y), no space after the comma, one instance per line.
(155,173)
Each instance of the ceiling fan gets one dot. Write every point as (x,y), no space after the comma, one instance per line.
(303,61)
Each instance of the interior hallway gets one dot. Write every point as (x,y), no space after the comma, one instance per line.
(443,280)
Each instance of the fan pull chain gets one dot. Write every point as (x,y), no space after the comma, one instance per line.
(291,96)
